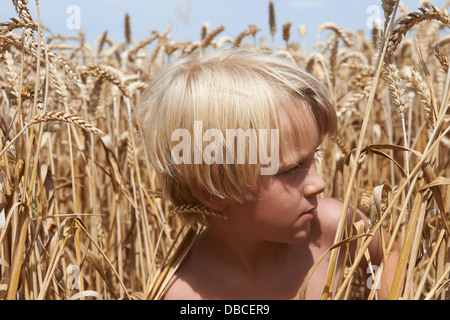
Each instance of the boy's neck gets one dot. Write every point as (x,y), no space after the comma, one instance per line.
(243,254)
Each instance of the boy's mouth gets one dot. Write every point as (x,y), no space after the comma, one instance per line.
(310,212)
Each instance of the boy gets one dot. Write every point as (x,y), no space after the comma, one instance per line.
(237,132)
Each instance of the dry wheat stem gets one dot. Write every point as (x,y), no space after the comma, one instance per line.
(132,230)
(391,205)
(339,231)
(207,40)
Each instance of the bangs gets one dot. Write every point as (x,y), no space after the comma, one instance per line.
(298,123)
(228,91)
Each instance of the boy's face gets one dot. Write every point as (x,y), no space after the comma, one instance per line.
(286,201)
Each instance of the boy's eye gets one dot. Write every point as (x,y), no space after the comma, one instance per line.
(293,170)
(315,158)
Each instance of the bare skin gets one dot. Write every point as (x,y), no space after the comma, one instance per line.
(266,247)
(208,274)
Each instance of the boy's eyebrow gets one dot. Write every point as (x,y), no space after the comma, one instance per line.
(291,164)
(298,160)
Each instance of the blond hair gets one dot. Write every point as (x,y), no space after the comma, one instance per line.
(224,89)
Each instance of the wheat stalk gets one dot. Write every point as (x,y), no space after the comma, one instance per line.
(396,86)
(272,22)
(287,32)
(127,218)
(388,7)
(133,50)
(250,31)
(207,40)
(127,29)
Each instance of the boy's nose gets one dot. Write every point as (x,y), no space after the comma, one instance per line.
(314,183)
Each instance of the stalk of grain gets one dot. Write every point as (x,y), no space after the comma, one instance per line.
(127,28)
(134,238)
(272,23)
(396,86)
(207,40)
(413,19)
(339,232)
(249,32)
(339,31)
(287,32)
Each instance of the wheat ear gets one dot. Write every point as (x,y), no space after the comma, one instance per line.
(388,7)
(198,210)
(205,29)
(56,116)
(238,40)
(272,23)
(396,86)
(336,29)
(105,72)
(250,31)
(127,28)
(207,40)
(287,32)
(425,96)
(442,57)
(65,117)
(407,23)
(17,24)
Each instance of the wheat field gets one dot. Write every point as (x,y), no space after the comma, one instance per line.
(81,211)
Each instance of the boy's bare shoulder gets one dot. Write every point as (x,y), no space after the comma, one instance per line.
(178,289)
(331,208)
(331,205)
(329,214)
(329,211)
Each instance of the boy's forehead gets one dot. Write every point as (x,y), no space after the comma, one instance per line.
(299,133)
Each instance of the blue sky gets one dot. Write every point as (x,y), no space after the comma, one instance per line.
(187,16)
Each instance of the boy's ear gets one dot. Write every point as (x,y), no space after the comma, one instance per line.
(208,200)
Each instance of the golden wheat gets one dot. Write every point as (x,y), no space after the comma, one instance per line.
(89,199)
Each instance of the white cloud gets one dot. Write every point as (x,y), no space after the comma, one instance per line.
(306,4)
